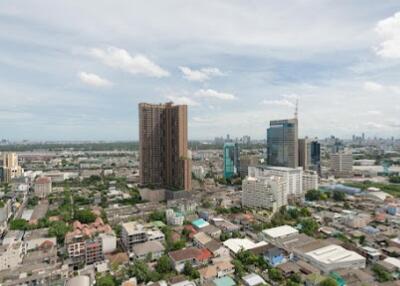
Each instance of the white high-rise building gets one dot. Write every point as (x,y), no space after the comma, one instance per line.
(342,164)
(268,192)
(310,181)
(292,177)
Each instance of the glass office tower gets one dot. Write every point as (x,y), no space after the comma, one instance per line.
(231,159)
(282,143)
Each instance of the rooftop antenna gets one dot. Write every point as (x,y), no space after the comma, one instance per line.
(296,111)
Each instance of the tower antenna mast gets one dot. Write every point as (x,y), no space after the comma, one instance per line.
(296,111)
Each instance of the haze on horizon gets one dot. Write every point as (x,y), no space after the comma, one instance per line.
(76,70)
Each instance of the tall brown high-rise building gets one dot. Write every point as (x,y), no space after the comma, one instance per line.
(163,145)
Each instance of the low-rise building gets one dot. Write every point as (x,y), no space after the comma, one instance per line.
(42,187)
(151,250)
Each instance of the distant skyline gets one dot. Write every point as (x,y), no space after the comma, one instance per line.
(76,70)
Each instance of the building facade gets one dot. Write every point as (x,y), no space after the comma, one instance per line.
(165,160)
(11,168)
(342,164)
(282,143)
(231,159)
(42,187)
(264,192)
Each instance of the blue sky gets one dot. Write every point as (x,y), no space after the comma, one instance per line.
(76,70)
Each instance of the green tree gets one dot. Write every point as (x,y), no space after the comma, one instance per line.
(164,265)
(58,229)
(19,224)
(313,195)
(338,196)
(106,280)
(309,226)
(85,216)
(328,282)
(275,275)
(381,274)
(239,268)
(189,271)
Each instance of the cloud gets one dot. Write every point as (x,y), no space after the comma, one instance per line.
(202,120)
(374,112)
(210,93)
(121,59)
(200,75)
(375,125)
(280,102)
(373,86)
(182,100)
(389,30)
(93,80)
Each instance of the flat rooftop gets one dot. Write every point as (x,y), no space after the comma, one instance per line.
(280,231)
(334,254)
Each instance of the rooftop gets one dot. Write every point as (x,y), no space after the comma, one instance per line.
(334,254)
(224,281)
(237,244)
(280,231)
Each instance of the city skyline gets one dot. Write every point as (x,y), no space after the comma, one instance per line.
(78,72)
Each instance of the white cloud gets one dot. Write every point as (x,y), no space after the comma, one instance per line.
(182,100)
(373,86)
(202,120)
(210,93)
(279,102)
(389,30)
(93,79)
(201,74)
(375,125)
(374,112)
(121,59)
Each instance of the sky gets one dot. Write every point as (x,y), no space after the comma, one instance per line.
(76,70)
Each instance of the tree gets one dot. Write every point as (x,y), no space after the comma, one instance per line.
(188,270)
(158,215)
(275,275)
(381,274)
(58,229)
(140,271)
(239,268)
(107,280)
(328,282)
(309,226)
(85,216)
(338,196)
(19,224)
(313,195)
(164,265)
(361,239)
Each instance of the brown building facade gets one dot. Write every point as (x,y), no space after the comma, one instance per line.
(163,146)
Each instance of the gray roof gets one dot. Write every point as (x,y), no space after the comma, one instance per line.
(147,247)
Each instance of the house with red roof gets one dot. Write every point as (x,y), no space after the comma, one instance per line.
(195,256)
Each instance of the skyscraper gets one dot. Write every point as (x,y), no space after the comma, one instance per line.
(282,143)
(11,169)
(304,153)
(231,159)
(315,149)
(163,145)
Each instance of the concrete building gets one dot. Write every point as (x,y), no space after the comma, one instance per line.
(276,235)
(342,164)
(174,218)
(247,161)
(149,249)
(282,143)
(11,168)
(292,177)
(304,153)
(11,255)
(310,181)
(267,192)
(133,233)
(165,160)
(334,257)
(42,187)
